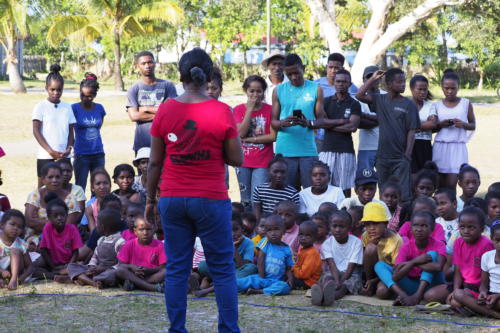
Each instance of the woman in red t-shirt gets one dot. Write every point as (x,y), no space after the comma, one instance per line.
(192,136)
(254,127)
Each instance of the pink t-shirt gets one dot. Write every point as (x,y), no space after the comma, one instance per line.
(150,256)
(468,258)
(194,135)
(291,237)
(128,235)
(60,246)
(409,250)
(257,155)
(437,233)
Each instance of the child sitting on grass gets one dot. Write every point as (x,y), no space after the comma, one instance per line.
(356,213)
(307,269)
(142,260)
(447,211)
(422,204)
(15,261)
(288,210)
(467,252)
(243,257)
(100,271)
(60,242)
(488,300)
(418,272)
(344,255)
(260,230)
(381,245)
(134,211)
(274,263)
(322,221)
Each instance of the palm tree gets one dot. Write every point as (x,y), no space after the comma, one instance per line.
(113,18)
(12,28)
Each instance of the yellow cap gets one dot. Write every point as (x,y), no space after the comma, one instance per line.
(374,212)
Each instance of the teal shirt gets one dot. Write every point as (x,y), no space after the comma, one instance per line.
(297,141)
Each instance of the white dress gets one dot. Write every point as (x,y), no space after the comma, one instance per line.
(449,151)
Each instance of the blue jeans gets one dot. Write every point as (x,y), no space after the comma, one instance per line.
(268,286)
(299,170)
(366,159)
(184,218)
(249,179)
(85,164)
(410,286)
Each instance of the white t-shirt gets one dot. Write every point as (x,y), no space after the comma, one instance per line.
(460,204)
(449,227)
(55,125)
(425,112)
(343,254)
(488,265)
(270,88)
(309,202)
(354,201)
(368,138)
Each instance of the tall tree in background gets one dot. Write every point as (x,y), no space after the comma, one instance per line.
(113,18)
(379,32)
(12,28)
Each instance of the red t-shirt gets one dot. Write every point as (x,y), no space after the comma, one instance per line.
(409,250)
(257,155)
(194,134)
(60,246)
(151,256)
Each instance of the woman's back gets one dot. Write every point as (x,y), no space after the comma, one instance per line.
(194,135)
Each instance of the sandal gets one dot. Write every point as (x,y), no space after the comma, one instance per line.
(432,307)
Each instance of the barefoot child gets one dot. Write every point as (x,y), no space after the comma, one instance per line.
(467,252)
(142,260)
(60,242)
(418,271)
(100,271)
(243,257)
(343,254)
(307,269)
(274,263)
(488,300)
(15,261)
(381,245)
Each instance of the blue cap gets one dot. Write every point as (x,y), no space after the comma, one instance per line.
(365,176)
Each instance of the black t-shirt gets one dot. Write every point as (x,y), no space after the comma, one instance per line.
(395,119)
(338,142)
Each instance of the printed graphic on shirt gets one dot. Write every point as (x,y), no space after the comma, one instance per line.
(92,133)
(308,97)
(154,259)
(186,144)
(257,128)
(150,97)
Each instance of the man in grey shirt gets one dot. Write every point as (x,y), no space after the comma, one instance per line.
(144,98)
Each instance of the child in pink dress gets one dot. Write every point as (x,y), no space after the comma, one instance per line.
(142,260)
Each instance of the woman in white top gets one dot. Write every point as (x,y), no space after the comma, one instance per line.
(320,191)
(422,149)
(455,118)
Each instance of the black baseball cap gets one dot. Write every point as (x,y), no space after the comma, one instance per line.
(365,176)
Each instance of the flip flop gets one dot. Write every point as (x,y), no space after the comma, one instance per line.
(329,293)
(316,295)
(432,307)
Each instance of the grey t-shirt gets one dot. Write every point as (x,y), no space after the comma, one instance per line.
(395,118)
(142,94)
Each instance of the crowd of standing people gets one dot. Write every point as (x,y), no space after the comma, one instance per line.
(169,225)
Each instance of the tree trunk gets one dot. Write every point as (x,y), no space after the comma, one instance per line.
(324,11)
(117,66)
(481,79)
(15,79)
(375,41)
(245,64)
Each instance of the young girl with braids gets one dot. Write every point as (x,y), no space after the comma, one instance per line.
(53,122)
(89,151)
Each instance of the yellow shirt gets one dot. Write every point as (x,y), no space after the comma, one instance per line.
(256,241)
(387,248)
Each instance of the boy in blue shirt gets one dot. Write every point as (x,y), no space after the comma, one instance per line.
(274,263)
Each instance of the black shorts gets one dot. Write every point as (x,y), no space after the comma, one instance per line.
(40,163)
(422,152)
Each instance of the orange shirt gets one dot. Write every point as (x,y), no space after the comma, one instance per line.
(308,266)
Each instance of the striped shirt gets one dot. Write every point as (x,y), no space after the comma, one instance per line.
(268,197)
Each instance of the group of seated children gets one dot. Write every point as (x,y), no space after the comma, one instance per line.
(439,247)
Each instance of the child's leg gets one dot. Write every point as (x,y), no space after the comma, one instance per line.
(370,258)
(106,278)
(204,292)
(16,268)
(464,298)
(251,281)
(402,288)
(438,291)
(85,280)
(157,277)
(277,288)
(246,270)
(41,270)
(383,292)
(126,274)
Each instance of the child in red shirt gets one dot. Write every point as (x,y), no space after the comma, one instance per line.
(467,253)
(60,242)
(142,260)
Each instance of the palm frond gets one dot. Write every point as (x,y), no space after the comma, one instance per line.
(165,11)
(64,26)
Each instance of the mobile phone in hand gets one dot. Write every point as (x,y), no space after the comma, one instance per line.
(298,114)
